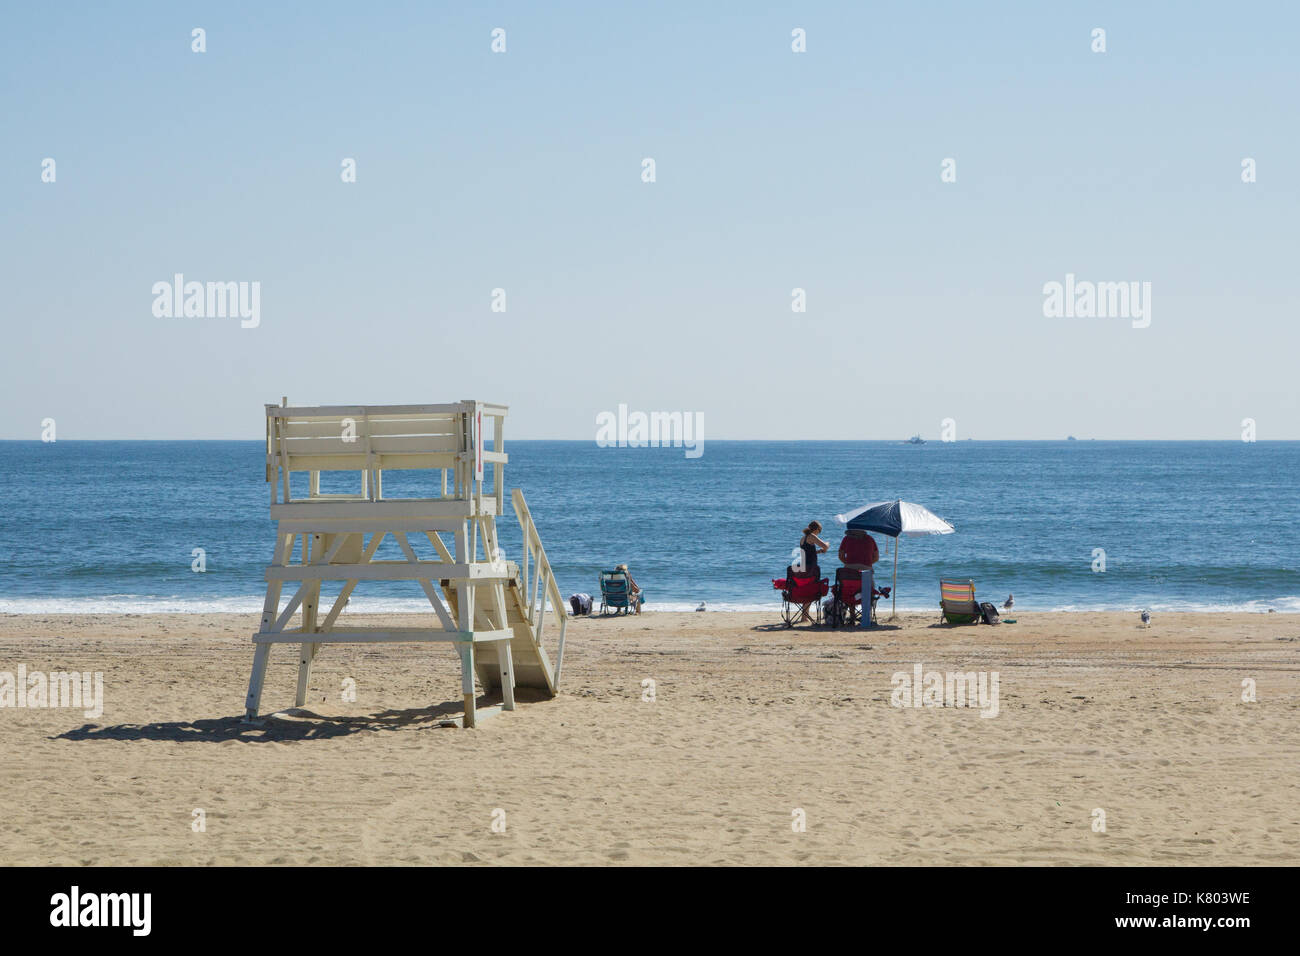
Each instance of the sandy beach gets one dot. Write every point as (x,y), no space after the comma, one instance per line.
(749,724)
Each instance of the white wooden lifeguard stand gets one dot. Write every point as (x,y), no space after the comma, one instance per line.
(491,610)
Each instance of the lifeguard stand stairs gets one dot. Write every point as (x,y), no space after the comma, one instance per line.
(492,611)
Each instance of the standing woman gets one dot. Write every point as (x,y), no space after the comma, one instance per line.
(811,545)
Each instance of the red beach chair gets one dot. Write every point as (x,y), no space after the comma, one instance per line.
(846,608)
(796,592)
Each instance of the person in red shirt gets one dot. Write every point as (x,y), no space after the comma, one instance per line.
(858,550)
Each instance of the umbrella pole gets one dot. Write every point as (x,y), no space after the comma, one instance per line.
(893,591)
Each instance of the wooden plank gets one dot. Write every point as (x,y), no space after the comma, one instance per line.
(270,450)
(299,428)
(254,699)
(393,508)
(337,445)
(292,606)
(541,612)
(388,571)
(435,539)
(467,681)
(386,635)
(465,607)
(559,653)
(532,598)
(362,525)
(376,411)
(343,461)
(507,666)
(282,463)
(340,603)
(499,460)
(440,425)
(323,550)
(524,575)
(499,606)
(271,606)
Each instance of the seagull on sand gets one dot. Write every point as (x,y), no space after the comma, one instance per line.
(1009,603)
(701,607)
(1146,618)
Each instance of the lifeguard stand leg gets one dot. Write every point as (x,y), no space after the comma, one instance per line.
(283,550)
(308,651)
(465,605)
(466,649)
(507,665)
(254,699)
(307,654)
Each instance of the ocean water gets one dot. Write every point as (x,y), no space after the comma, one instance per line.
(111,526)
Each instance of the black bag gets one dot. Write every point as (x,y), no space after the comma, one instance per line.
(835,613)
(989,613)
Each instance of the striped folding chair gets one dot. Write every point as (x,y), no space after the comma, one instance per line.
(957,602)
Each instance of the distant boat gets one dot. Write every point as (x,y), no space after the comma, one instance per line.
(1071,438)
(916,440)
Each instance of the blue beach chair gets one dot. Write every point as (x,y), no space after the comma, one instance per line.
(614,592)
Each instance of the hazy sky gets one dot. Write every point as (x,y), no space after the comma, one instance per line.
(775,170)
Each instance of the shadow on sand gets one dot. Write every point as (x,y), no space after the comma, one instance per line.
(285,726)
(823,629)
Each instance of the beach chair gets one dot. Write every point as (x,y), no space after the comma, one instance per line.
(846,608)
(614,592)
(796,592)
(846,595)
(957,602)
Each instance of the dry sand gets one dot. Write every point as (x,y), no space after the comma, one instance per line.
(750,722)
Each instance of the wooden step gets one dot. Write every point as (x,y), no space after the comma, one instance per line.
(533,667)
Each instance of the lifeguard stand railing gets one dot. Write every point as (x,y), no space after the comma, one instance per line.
(491,610)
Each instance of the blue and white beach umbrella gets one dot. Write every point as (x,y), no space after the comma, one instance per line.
(894,519)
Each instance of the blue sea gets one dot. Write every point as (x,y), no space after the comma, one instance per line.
(112,526)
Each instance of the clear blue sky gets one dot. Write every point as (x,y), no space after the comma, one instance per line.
(775,170)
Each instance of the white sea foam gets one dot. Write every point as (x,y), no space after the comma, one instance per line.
(252,604)
(151,604)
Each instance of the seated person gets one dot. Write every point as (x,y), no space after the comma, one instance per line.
(858,550)
(634,597)
(811,545)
